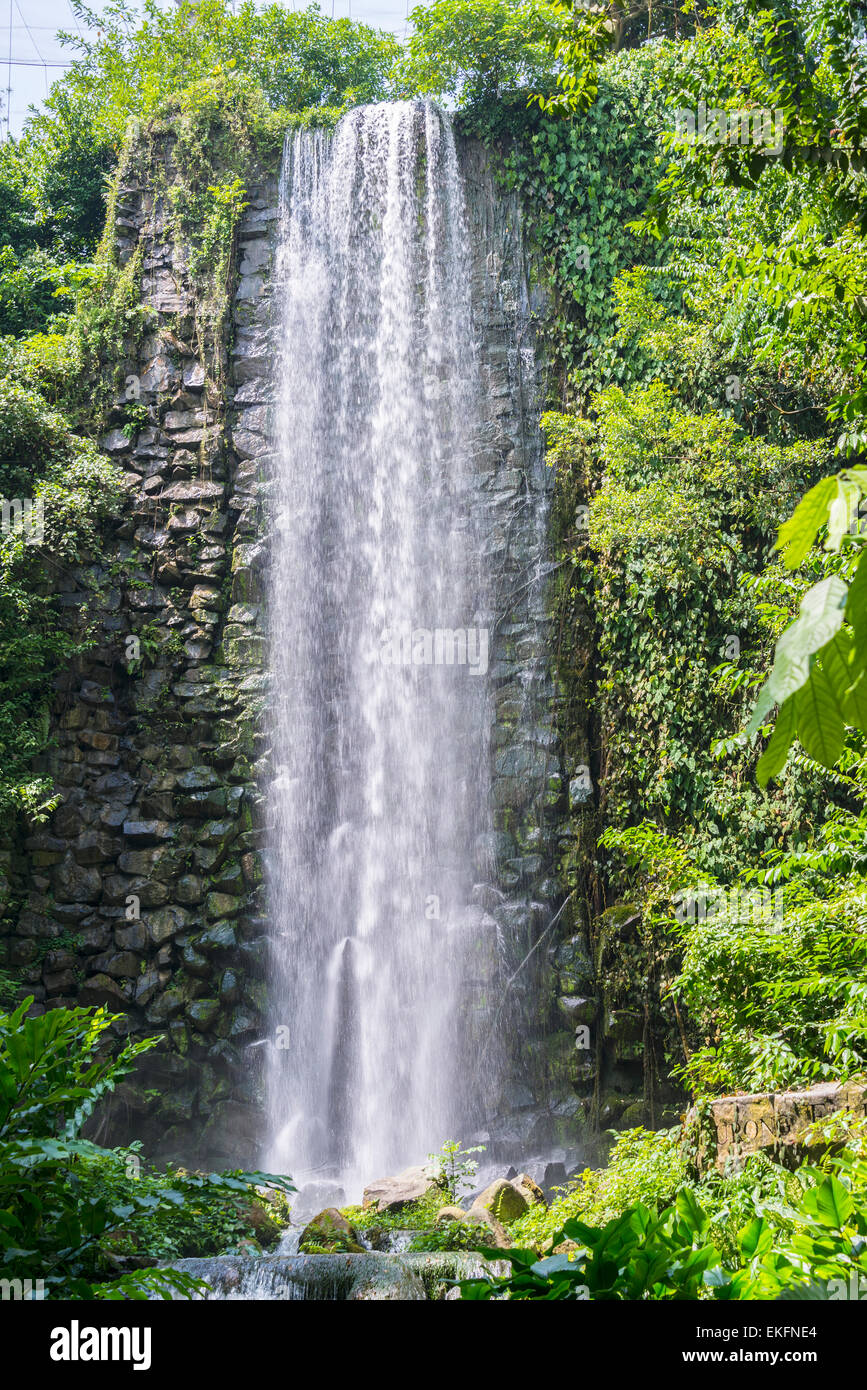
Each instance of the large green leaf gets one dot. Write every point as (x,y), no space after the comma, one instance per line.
(856,613)
(821,616)
(830,1203)
(835,658)
(799,532)
(757,1238)
(843,510)
(691,1212)
(819,722)
(857,703)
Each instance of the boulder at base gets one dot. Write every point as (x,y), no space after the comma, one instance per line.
(390,1194)
(331,1232)
(529,1189)
(504,1200)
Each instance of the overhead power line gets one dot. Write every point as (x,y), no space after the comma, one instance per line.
(33,41)
(9,76)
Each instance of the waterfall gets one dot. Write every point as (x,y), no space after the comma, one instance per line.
(379,637)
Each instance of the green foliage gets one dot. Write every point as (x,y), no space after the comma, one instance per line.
(452,1235)
(175,1213)
(789,1232)
(637,1255)
(666,515)
(581,184)
(795,276)
(580,46)
(50,1084)
(773,970)
(36,290)
(711,472)
(20,222)
(779,245)
(590,32)
(650,1167)
(818,676)
(66,161)
(72,490)
(454,1168)
(480,51)
(745,317)
(66,1205)
(682,517)
(643,1166)
(297,58)
(779,1002)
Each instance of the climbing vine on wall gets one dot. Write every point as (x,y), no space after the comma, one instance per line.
(580,183)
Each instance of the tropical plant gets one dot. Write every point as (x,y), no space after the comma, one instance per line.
(61,1214)
(454,1168)
(816,1243)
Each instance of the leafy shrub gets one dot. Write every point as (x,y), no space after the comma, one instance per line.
(772,972)
(452,1235)
(65,1204)
(76,489)
(643,1166)
(639,1254)
(36,289)
(779,1003)
(455,1169)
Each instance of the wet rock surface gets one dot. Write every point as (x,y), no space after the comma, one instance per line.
(390,1194)
(369,1277)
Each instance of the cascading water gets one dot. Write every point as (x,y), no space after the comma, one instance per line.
(379,631)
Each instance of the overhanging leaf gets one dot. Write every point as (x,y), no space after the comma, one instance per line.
(819,721)
(841,513)
(830,1203)
(856,613)
(821,616)
(835,660)
(799,532)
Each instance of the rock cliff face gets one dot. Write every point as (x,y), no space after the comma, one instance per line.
(143,890)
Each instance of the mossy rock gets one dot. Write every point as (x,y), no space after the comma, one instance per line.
(616,925)
(503,1200)
(329,1233)
(220,937)
(204,1012)
(220,906)
(394,1194)
(624,1026)
(416,1216)
(260,1222)
(634,1116)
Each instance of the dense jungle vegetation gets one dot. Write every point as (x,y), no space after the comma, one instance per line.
(707,422)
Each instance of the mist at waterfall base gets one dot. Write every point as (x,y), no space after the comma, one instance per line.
(379,621)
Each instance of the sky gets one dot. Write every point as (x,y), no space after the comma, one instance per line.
(28,31)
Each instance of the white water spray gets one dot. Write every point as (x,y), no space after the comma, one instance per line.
(378,611)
